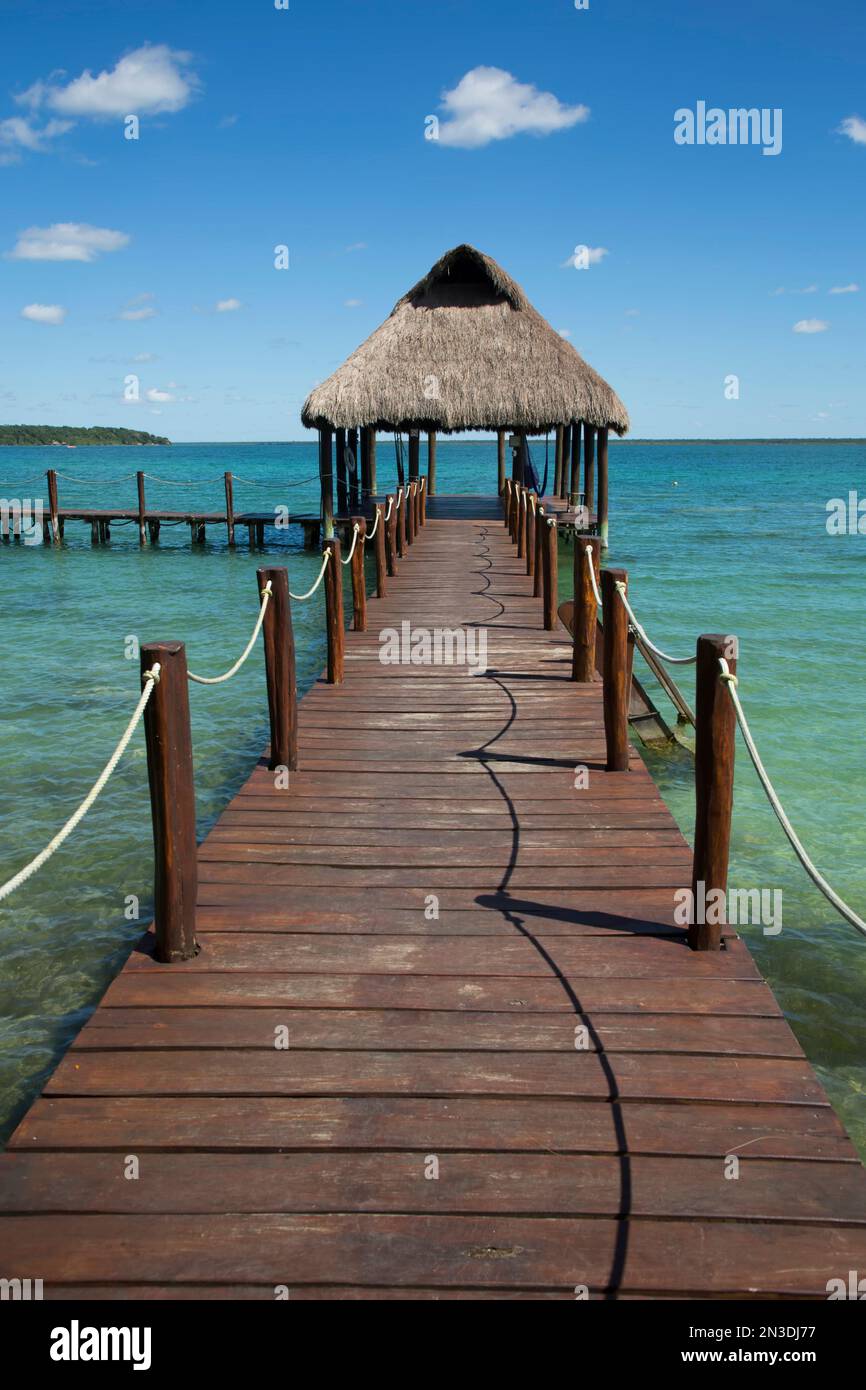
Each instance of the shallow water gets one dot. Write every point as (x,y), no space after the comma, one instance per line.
(721,538)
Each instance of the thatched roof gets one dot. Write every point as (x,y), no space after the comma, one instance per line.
(464,350)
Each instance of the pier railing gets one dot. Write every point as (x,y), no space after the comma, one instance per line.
(603,595)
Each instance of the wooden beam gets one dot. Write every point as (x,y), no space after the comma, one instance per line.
(617,680)
(500,457)
(602,488)
(279,644)
(589,466)
(574,481)
(342,476)
(715,731)
(326,481)
(431,463)
(557,471)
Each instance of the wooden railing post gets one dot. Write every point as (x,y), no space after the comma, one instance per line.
(538,577)
(410,512)
(379,550)
(616,670)
(550,553)
(391,534)
(506,503)
(422,502)
(402,544)
(715,729)
(531,502)
(521,522)
(279,643)
(52,505)
(172,801)
(359,578)
(142,509)
(585,607)
(230,507)
(334,611)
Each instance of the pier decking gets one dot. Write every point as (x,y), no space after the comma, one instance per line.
(443,1038)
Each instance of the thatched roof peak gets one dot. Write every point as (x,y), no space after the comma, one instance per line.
(464,350)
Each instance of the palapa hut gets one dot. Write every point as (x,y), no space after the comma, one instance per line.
(464,350)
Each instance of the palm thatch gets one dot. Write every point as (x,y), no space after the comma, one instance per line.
(464,350)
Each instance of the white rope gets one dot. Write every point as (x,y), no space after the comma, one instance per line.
(300,597)
(218,680)
(370,534)
(390,509)
(150,678)
(107,482)
(730,680)
(587,550)
(641,631)
(355,534)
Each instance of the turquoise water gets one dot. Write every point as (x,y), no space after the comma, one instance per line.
(724,538)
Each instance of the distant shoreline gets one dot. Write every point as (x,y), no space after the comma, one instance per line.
(443,439)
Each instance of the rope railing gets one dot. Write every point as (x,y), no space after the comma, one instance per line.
(299,598)
(150,678)
(640,630)
(356,531)
(587,550)
(370,534)
(233,670)
(731,682)
(107,482)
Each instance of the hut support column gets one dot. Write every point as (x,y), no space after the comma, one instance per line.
(342,480)
(602,487)
(326,479)
(566,462)
(589,466)
(500,456)
(352,470)
(574,485)
(371,463)
(414,455)
(557,473)
(431,463)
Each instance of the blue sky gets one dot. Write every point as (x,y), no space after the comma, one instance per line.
(306,128)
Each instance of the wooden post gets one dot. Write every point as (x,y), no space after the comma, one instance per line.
(500,458)
(52,505)
(334,611)
(616,670)
(359,579)
(530,533)
(172,801)
(279,643)
(326,477)
(391,534)
(342,481)
(585,608)
(410,511)
(401,522)
(589,466)
(715,728)
(416,502)
(550,552)
(431,464)
(573,490)
(379,550)
(354,498)
(566,461)
(521,522)
(142,529)
(371,461)
(505,494)
(557,472)
(602,487)
(538,577)
(364,465)
(230,507)
(422,501)
(414,454)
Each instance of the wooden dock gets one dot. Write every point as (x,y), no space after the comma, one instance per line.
(443,1038)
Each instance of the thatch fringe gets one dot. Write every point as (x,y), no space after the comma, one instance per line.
(464,350)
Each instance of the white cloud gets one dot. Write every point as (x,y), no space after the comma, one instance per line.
(588,255)
(490,104)
(66,241)
(807,289)
(44,313)
(357,246)
(227,306)
(811,326)
(855,128)
(152,80)
(136,315)
(157,397)
(19,133)
(353,303)
(145,357)
(845,289)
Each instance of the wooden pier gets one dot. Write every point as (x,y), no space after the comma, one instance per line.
(443,1038)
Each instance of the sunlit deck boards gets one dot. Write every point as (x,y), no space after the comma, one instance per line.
(415,1037)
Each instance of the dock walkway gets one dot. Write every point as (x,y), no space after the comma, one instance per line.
(443,1038)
